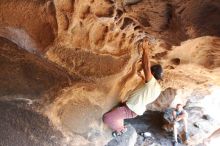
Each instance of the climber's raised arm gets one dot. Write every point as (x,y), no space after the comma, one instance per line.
(146,63)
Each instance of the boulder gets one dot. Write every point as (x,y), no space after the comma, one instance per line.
(129,138)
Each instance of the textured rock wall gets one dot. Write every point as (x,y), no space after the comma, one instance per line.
(103,36)
(96,46)
(30,24)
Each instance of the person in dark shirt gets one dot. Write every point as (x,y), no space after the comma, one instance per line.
(180,116)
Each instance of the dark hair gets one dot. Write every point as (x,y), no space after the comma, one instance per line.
(179,105)
(157,71)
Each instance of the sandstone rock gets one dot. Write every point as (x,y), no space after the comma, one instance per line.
(24,74)
(98,44)
(127,139)
(128,2)
(31,28)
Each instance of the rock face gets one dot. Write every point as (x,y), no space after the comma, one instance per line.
(129,138)
(72,61)
(30,24)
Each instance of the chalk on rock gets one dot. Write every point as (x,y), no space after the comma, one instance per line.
(130,2)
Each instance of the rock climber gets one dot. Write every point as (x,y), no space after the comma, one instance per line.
(180,116)
(137,101)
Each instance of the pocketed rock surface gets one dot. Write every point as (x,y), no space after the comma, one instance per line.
(64,63)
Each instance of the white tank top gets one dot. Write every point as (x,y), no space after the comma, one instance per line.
(138,100)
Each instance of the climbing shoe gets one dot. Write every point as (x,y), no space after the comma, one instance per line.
(115,133)
(175,143)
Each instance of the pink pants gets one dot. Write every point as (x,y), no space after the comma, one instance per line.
(115,118)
